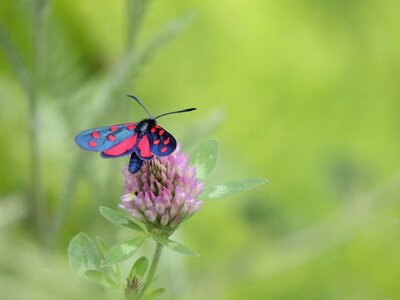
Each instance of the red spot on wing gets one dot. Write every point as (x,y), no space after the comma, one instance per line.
(153,129)
(130,126)
(95,135)
(114,127)
(156,142)
(122,147)
(164,149)
(144,147)
(92,144)
(161,132)
(166,142)
(157,126)
(111,137)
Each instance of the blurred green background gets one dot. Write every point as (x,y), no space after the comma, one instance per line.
(304,93)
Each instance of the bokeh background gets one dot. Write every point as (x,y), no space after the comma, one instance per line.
(305,93)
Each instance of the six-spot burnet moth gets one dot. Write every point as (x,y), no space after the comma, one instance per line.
(141,140)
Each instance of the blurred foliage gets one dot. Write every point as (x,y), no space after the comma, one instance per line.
(304,93)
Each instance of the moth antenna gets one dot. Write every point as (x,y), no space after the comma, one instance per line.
(142,105)
(176,112)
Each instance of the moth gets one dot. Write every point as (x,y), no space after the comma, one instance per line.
(141,140)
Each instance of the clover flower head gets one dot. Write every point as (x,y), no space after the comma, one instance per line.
(163,193)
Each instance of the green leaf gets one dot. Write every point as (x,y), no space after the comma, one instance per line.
(155,293)
(174,245)
(82,254)
(101,278)
(122,251)
(102,244)
(104,248)
(119,219)
(204,158)
(231,188)
(139,268)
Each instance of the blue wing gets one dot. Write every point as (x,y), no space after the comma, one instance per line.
(113,141)
(162,143)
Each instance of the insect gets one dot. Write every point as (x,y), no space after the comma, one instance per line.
(139,140)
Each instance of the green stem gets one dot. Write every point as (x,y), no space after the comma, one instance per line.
(136,10)
(153,266)
(39,209)
(15,58)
